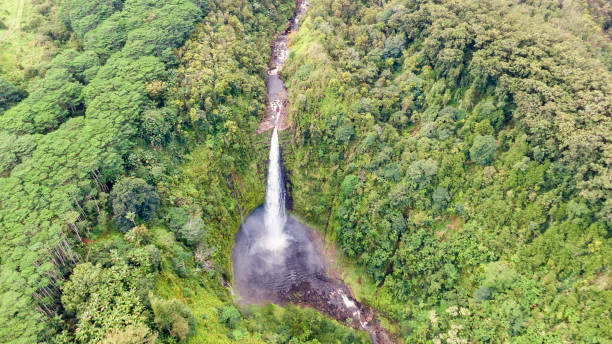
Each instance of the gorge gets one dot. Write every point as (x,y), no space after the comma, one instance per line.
(305,171)
(275,258)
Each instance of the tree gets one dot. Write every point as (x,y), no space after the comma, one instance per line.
(188,228)
(83,66)
(440,196)
(192,232)
(176,218)
(156,126)
(82,16)
(106,38)
(9,94)
(13,149)
(103,300)
(79,148)
(132,196)
(230,316)
(52,100)
(421,172)
(393,46)
(483,149)
(344,133)
(160,37)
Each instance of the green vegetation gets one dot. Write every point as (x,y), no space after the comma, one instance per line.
(173,317)
(457,154)
(462,162)
(82,133)
(483,149)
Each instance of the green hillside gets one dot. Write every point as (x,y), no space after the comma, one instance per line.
(460,152)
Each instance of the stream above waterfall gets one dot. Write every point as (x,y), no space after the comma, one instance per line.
(275,257)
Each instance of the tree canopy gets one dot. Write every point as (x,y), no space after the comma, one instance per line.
(132,198)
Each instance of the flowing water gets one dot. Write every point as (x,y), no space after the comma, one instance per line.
(275,257)
(274,238)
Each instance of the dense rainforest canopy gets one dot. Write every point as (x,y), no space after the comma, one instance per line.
(457,153)
(464,151)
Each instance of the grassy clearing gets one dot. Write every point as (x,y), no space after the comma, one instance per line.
(11,14)
(21,51)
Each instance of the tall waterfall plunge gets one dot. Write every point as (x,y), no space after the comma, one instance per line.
(274,218)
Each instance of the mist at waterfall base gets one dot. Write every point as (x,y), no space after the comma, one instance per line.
(273,252)
(263,274)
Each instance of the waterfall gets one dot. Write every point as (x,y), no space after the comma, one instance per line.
(273,238)
(274,218)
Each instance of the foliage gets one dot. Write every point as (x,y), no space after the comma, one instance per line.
(51,101)
(102,131)
(221,87)
(32,35)
(9,94)
(229,316)
(13,149)
(109,109)
(292,325)
(103,299)
(82,16)
(189,228)
(132,197)
(193,230)
(84,114)
(138,334)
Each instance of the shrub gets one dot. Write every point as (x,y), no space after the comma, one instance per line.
(173,317)
(229,316)
(132,334)
(349,185)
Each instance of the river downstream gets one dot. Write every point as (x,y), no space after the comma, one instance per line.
(275,257)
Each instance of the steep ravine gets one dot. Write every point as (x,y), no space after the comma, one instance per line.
(275,257)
